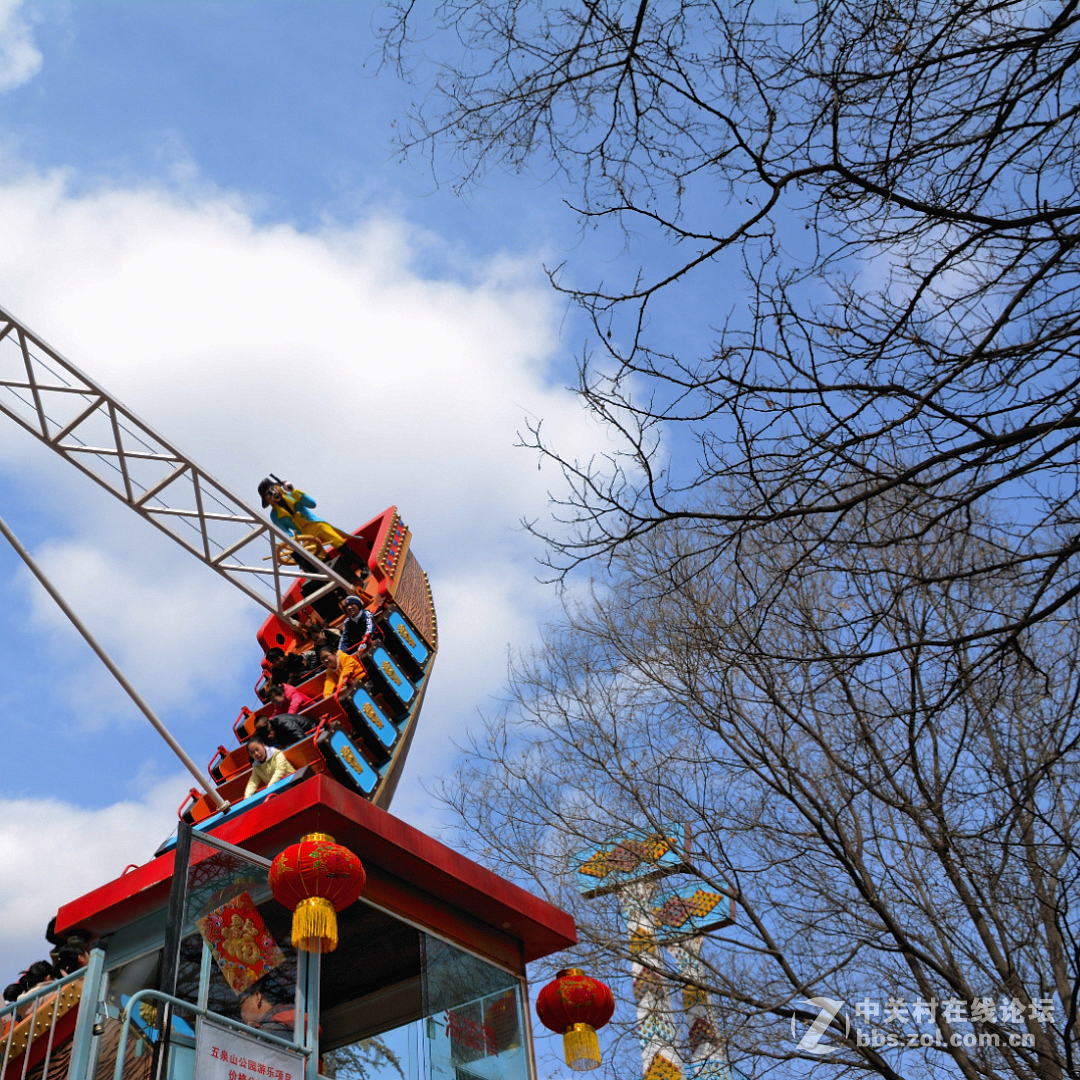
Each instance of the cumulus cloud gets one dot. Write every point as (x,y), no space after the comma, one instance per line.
(159,614)
(324,357)
(20,59)
(85,849)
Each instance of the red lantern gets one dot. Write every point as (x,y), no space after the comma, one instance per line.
(316,879)
(576,1005)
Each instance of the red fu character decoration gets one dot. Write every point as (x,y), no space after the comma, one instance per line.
(576,1006)
(316,879)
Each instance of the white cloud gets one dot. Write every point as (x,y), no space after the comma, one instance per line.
(20,59)
(85,849)
(152,638)
(325,358)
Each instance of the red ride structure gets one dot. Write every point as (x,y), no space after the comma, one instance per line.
(302,920)
(361,737)
(361,742)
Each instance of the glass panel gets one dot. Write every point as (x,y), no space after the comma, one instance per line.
(468,1023)
(474,1027)
(393,1055)
(251,972)
(233,958)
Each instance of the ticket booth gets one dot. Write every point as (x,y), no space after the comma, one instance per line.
(194,976)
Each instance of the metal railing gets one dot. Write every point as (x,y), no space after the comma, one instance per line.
(30,1026)
(186,1006)
(35,1016)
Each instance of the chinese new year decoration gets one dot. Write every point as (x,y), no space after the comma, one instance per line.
(242,946)
(316,879)
(576,1005)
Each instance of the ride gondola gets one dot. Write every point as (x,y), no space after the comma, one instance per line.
(361,739)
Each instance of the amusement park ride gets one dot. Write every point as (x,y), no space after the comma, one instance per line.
(401,958)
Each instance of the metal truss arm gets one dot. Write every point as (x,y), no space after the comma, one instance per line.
(82,422)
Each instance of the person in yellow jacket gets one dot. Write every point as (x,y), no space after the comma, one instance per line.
(269,765)
(342,671)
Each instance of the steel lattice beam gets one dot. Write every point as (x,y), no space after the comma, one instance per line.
(82,422)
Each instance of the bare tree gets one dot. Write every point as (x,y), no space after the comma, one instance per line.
(900,828)
(894,182)
(361,1060)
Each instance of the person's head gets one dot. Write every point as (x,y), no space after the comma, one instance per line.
(262,997)
(70,958)
(79,936)
(12,991)
(36,974)
(256,748)
(275,655)
(328,658)
(275,692)
(352,606)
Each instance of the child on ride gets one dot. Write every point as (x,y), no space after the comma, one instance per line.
(358,626)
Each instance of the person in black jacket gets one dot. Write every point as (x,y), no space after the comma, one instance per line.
(358,627)
(280,731)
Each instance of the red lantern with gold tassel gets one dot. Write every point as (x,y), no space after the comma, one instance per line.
(316,879)
(576,1005)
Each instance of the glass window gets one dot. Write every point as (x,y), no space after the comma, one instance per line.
(473,1027)
(443,1014)
(236,958)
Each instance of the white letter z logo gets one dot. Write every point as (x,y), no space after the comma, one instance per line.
(810,1043)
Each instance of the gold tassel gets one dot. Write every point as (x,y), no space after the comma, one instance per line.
(314,925)
(581,1047)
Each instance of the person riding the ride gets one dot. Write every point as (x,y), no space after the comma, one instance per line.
(359,624)
(342,672)
(269,765)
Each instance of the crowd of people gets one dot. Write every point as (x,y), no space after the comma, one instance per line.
(67,955)
(285,724)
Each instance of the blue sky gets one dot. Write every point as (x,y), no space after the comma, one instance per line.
(285,102)
(202,206)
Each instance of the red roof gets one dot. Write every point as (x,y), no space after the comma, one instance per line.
(409,873)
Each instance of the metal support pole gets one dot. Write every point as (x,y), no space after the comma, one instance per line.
(204,975)
(170,954)
(174,920)
(311,1037)
(300,998)
(82,1042)
(104,657)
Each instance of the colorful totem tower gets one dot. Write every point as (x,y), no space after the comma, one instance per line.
(677,1034)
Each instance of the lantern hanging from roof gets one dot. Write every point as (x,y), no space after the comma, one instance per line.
(576,1005)
(316,879)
